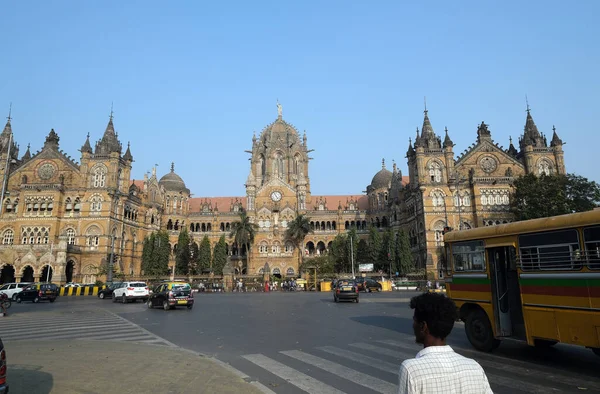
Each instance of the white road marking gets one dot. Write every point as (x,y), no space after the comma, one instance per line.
(350,374)
(362,359)
(294,377)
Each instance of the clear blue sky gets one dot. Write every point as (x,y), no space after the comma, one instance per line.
(192,80)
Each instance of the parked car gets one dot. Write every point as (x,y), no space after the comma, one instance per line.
(107,292)
(130,291)
(3,367)
(171,295)
(39,292)
(368,285)
(345,290)
(11,289)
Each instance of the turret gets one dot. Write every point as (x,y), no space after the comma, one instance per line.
(448,155)
(559,155)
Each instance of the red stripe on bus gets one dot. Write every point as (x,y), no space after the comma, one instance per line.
(566,291)
(483,288)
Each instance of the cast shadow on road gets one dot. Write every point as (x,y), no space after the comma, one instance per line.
(398,324)
(29,379)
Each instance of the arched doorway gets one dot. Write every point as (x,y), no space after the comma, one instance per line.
(277,273)
(46,274)
(69,271)
(27,274)
(7,274)
(310,248)
(321,248)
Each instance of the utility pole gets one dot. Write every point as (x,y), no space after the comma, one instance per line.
(352,256)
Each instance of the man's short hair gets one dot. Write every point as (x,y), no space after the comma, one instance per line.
(437,310)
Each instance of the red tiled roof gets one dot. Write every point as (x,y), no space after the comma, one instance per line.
(139,183)
(222,203)
(334,201)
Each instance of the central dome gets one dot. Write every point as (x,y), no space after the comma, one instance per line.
(173,182)
(279,128)
(383,179)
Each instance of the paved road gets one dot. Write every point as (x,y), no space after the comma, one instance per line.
(303,342)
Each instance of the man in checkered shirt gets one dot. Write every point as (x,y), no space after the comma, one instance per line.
(437,368)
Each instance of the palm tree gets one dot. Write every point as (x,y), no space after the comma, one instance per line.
(243,232)
(297,230)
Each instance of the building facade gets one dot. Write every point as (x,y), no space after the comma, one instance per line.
(61,219)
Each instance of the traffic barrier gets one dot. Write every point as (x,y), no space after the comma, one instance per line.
(80,291)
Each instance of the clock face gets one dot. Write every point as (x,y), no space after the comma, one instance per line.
(276,196)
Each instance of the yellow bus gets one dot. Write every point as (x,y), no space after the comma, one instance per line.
(535,280)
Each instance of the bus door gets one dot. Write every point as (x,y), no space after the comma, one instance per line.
(500,270)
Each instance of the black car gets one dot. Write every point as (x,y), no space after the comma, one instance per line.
(107,292)
(368,285)
(38,292)
(345,290)
(3,384)
(172,294)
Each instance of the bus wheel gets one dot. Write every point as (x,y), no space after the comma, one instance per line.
(544,343)
(479,331)
(596,351)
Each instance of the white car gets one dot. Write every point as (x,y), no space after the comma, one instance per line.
(12,289)
(131,291)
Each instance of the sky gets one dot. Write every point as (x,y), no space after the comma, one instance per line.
(191,81)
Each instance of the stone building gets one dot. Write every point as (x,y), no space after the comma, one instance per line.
(61,219)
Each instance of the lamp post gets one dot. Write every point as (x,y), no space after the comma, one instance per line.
(352,256)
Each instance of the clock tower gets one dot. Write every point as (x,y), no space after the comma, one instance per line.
(277,188)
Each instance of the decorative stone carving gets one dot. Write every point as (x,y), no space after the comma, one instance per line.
(46,171)
(488,164)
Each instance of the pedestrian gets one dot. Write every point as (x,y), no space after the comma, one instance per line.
(437,368)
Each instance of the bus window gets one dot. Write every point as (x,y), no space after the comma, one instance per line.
(591,235)
(468,256)
(556,250)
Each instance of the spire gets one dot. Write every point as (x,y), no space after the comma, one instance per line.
(394,167)
(7,128)
(27,154)
(87,147)
(418,141)
(556,141)
(428,137)
(52,140)
(411,150)
(483,133)
(172,166)
(109,142)
(531,135)
(447,141)
(127,156)
(383,164)
(511,149)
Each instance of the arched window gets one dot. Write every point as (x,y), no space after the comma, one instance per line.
(70,236)
(435,172)
(278,169)
(437,198)
(263,248)
(96,204)
(8,238)
(289,247)
(544,167)
(438,228)
(93,236)
(99,176)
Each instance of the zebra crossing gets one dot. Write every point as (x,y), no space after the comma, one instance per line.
(372,366)
(99,325)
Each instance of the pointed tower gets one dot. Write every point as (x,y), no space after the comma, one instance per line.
(511,149)
(109,142)
(27,154)
(430,159)
(556,144)
(127,156)
(448,155)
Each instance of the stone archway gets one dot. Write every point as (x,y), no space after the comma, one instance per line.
(7,274)
(27,274)
(46,275)
(70,271)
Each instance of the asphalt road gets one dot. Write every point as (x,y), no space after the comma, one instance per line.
(304,342)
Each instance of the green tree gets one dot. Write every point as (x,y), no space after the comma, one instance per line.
(374,245)
(204,254)
(182,257)
(387,251)
(297,230)
(324,264)
(194,254)
(362,252)
(352,240)
(219,256)
(404,253)
(155,254)
(551,195)
(243,232)
(339,253)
